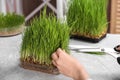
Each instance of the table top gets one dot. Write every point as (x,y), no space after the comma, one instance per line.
(99,67)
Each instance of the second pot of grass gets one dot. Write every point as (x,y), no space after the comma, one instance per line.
(11,24)
(40,40)
(88,19)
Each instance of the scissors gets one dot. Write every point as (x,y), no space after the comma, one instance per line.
(109,51)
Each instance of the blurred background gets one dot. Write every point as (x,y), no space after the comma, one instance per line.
(32,8)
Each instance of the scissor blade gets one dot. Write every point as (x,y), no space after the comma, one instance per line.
(84,48)
(81,47)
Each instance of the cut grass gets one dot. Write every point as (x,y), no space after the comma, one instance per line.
(88,17)
(43,37)
(97,53)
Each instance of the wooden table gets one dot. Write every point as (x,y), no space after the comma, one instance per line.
(99,67)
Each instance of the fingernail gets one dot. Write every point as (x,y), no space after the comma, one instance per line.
(59,49)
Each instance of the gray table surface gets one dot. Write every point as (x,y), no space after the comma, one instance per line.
(99,67)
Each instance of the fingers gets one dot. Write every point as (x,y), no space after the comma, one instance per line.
(55,56)
(54,63)
(59,51)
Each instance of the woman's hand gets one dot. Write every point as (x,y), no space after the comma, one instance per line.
(68,65)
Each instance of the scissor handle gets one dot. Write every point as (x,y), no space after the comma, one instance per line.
(116,48)
(118,60)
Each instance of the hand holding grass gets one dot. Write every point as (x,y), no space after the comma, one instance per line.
(40,40)
(68,66)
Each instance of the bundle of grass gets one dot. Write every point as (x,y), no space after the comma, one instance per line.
(11,24)
(40,40)
(87,19)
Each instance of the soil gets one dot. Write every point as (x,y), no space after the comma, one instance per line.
(84,38)
(11,32)
(39,67)
(88,38)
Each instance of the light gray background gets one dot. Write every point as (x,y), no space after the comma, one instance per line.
(99,67)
